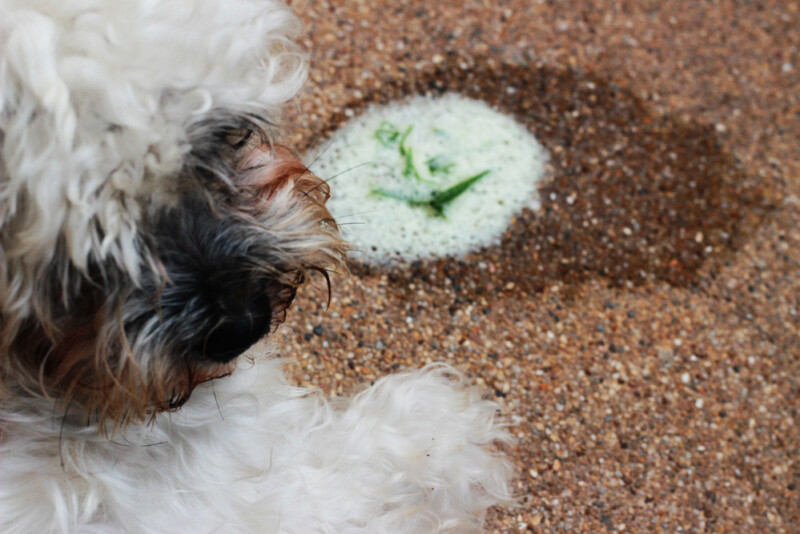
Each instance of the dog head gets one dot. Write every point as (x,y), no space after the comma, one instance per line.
(151,227)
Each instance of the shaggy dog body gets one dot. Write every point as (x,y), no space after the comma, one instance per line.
(254,455)
(151,230)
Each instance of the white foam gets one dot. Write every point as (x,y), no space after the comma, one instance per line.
(463,132)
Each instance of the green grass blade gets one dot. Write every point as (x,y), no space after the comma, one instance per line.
(387,133)
(408,170)
(443,198)
(389,194)
(397,196)
(440,164)
(402,146)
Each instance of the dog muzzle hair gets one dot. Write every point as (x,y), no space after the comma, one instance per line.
(152,229)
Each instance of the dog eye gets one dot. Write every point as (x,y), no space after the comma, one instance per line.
(238,138)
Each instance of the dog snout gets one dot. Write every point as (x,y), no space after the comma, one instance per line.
(225,281)
(242,321)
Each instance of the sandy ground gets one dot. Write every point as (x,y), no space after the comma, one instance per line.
(642,326)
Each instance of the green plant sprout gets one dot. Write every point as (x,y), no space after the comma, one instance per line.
(402,145)
(387,133)
(439,199)
(440,164)
(409,170)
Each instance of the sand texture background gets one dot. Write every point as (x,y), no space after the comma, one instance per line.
(642,326)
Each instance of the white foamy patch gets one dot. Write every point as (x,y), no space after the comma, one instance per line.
(393,164)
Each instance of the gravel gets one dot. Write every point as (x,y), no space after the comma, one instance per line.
(673,131)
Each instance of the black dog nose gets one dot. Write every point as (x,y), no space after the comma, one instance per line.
(238,328)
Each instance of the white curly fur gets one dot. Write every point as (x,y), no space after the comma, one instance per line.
(97,99)
(252,454)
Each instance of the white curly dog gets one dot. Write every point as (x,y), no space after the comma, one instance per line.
(152,228)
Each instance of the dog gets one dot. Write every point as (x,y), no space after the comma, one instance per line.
(152,229)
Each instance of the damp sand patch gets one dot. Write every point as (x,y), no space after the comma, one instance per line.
(429,177)
(630,195)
